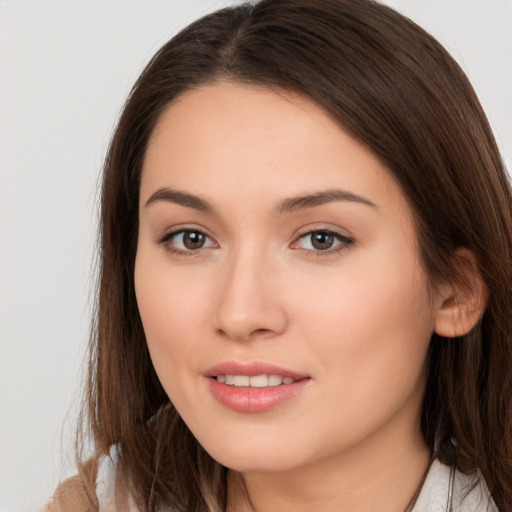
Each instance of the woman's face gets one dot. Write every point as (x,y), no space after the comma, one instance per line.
(279,281)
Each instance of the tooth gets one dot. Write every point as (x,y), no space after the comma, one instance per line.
(275,380)
(241,380)
(230,380)
(221,379)
(287,380)
(259,381)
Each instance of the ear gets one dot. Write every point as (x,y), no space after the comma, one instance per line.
(462,301)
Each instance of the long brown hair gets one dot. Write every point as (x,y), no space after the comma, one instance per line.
(397,90)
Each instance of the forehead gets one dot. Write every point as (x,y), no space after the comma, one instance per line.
(230,141)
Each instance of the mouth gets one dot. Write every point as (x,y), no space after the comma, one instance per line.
(254,387)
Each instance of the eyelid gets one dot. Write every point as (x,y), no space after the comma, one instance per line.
(325,228)
(178,228)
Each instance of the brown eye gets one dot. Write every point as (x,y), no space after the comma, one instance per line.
(187,241)
(322,240)
(193,239)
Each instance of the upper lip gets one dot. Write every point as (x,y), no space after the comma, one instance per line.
(251,369)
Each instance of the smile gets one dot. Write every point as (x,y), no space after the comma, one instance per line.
(256,381)
(254,387)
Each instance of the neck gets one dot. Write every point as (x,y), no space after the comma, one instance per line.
(373,476)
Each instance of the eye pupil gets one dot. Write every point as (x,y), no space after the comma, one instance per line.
(322,240)
(193,239)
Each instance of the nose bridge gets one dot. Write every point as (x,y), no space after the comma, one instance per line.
(249,303)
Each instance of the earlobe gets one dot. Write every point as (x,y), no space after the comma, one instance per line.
(462,301)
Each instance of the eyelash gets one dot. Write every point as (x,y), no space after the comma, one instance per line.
(345,242)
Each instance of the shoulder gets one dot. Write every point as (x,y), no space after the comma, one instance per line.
(76,494)
(97,488)
(446,488)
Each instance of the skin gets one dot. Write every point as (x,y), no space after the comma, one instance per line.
(356,320)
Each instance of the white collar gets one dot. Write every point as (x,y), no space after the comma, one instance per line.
(447,490)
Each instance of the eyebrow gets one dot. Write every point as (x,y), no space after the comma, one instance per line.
(181,198)
(289,205)
(302,202)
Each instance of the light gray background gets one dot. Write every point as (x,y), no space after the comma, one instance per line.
(65,69)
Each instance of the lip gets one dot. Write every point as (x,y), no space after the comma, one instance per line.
(254,400)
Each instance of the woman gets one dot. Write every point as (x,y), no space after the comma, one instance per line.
(305,277)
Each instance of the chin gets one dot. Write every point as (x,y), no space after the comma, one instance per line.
(247,456)
(249,463)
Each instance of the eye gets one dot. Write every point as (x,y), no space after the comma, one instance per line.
(323,241)
(187,241)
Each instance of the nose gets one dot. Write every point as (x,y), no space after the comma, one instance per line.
(250,303)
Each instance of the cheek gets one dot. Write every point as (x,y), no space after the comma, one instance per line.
(172,310)
(366,294)
(164,314)
(373,323)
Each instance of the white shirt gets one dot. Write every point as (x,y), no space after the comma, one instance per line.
(444,492)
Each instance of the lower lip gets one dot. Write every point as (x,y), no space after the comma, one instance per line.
(247,399)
